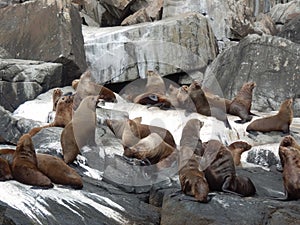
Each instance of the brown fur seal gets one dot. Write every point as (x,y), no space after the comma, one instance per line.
(5,171)
(279,122)
(58,171)
(221,174)
(155,92)
(24,166)
(192,179)
(236,149)
(241,104)
(87,87)
(290,157)
(140,130)
(75,83)
(287,141)
(57,93)
(202,105)
(151,148)
(63,116)
(80,130)
(180,98)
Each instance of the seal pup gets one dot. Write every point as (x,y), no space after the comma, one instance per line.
(241,104)
(290,159)
(237,148)
(151,148)
(279,122)
(191,177)
(24,165)
(220,173)
(80,130)
(58,171)
(87,87)
(63,115)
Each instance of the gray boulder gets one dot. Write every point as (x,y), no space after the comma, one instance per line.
(23,80)
(57,37)
(267,60)
(291,29)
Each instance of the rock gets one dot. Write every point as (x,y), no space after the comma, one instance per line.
(231,209)
(267,60)
(4,54)
(264,24)
(125,53)
(94,10)
(263,157)
(290,30)
(56,38)
(23,80)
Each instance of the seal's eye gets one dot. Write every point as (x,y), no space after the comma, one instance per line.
(153,98)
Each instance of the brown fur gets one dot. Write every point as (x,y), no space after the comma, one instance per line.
(63,115)
(287,141)
(291,172)
(24,166)
(87,87)
(279,122)
(57,93)
(81,129)
(155,83)
(236,149)
(220,174)
(151,147)
(75,84)
(5,171)
(241,104)
(58,171)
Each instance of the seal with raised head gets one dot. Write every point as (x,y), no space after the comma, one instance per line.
(237,148)
(241,104)
(287,141)
(151,148)
(57,93)
(87,87)
(279,122)
(58,171)
(80,130)
(290,159)
(24,165)
(220,173)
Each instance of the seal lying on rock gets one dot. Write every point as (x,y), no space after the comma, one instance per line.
(221,174)
(279,122)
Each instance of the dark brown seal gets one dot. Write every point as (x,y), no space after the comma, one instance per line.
(220,173)
(290,159)
(237,148)
(80,130)
(192,179)
(63,115)
(279,122)
(241,104)
(24,165)
(151,148)
(202,105)
(87,87)
(287,141)
(58,171)
(5,171)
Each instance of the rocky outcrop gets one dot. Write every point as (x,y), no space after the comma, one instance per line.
(182,43)
(23,80)
(57,37)
(267,60)
(291,29)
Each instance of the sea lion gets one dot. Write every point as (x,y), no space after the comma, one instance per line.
(139,130)
(279,122)
(180,98)
(63,115)
(80,130)
(58,171)
(5,171)
(87,87)
(220,173)
(237,148)
(57,93)
(155,92)
(202,105)
(24,165)
(151,148)
(290,157)
(287,141)
(75,83)
(241,104)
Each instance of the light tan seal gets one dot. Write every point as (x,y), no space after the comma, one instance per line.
(24,165)
(279,122)
(290,158)
(57,93)
(58,171)
(221,174)
(241,104)
(80,130)
(151,148)
(237,148)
